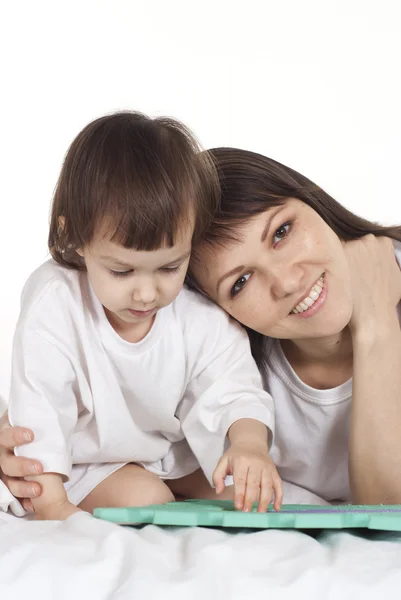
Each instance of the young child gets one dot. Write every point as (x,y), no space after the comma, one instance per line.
(127,379)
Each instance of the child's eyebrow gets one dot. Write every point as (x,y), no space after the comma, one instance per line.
(178,259)
(115,261)
(119,263)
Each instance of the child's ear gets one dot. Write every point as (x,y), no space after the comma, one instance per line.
(79,251)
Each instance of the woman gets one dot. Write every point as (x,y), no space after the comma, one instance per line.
(318,290)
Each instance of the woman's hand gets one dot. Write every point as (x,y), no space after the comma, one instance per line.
(14,468)
(375,279)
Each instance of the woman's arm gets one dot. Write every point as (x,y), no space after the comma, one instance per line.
(375,442)
(375,432)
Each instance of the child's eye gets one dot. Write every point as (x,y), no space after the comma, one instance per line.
(239,284)
(121,273)
(281,232)
(170,270)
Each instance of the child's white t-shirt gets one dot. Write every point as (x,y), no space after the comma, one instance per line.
(91,397)
(310,447)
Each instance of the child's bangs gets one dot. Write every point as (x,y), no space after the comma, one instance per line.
(146,211)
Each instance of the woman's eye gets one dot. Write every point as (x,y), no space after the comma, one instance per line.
(239,284)
(281,232)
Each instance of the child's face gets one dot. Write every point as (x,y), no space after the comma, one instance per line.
(133,285)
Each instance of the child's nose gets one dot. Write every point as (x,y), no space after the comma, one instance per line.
(144,292)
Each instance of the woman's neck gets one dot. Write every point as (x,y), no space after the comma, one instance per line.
(322,363)
(333,349)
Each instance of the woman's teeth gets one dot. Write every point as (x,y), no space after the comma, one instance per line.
(311,299)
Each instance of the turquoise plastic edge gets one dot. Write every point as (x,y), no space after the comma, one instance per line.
(198,513)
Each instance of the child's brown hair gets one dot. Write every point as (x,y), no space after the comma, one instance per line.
(139,177)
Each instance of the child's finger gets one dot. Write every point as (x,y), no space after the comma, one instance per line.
(219,475)
(252,489)
(240,478)
(278,491)
(266,491)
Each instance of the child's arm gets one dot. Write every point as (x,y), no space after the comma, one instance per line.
(225,412)
(43,398)
(53,503)
(247,460)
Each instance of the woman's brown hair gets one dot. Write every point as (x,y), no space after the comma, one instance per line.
(138,177)
(250,184)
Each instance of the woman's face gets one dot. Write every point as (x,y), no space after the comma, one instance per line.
(287,277)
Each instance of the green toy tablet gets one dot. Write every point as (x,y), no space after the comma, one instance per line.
(203,513)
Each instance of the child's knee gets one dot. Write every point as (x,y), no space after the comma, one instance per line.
(143,488)
(129,486)
(160,495)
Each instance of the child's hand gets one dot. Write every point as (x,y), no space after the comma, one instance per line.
(255,477)
(57,512)
(52,504)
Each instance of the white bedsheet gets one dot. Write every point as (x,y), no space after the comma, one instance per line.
(87,558)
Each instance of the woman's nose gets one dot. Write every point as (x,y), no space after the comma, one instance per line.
(285,281)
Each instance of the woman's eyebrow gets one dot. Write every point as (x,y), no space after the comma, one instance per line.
(269,221)
(265,231)
(232,272)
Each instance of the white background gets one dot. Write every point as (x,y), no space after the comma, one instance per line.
(312,83)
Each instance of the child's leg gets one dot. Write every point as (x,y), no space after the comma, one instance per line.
(129,486)
(195,485)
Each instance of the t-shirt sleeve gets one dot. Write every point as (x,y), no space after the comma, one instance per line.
(42,398)
(226,388)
